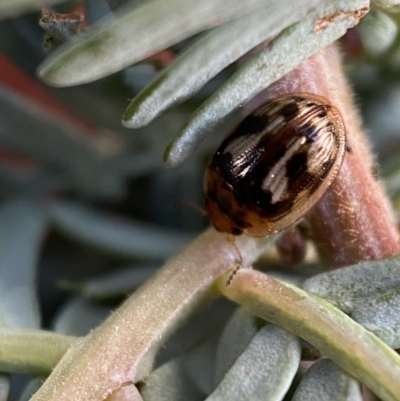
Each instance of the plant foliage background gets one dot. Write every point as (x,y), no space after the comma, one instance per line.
(89,211)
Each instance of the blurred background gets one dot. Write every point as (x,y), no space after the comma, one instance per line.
(87,209)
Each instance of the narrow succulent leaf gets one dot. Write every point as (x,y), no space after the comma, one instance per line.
(210,55)
(284,53)
(171,382)
(391,175)
(127,238)
(199,362)
(12,8)
(326,381)
(102,364)
(23,226)
(386,3)
(35,131)
(135,33)
(185,378)
(78,316)
(264,371)
(31,388)
(25,93)
(206,323)
(113,284)
(378,32)
(236,336)
(381,316)
(32,351)
(352,285)
(357,351)
(4,386)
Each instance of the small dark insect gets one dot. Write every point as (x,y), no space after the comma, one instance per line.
(275,166)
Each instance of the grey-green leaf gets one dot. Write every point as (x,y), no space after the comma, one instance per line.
(325,381)
(236,336)
(78,316)
(351,285)
(128,238)
(31,351)
(170,382)
(31,388)
(352,347)
(386,3)
(135,33)
(112,284)
(199,362)
(265,369)
(188,73)
(382,317)
(4,386)
(23,224)
(288,50)
(35,131)
(378,32)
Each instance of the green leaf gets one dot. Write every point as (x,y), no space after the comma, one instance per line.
(236,336)
(23,225)
(381,316)
(171,382)
(31,388)
(356,350)
(325,381)
(78,316)
(386,3)
(378,32)
(355,284)
(135,33)
(286,52)
(4,386)
(128,238)
(116,283)
(32,351)
(199,362)
(188,73)
(264,371)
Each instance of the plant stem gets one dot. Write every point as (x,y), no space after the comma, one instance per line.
(121,350)
(354,220)
(337,336)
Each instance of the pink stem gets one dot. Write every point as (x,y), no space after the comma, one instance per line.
(354,220)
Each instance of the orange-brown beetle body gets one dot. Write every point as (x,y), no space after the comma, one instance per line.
(275,166)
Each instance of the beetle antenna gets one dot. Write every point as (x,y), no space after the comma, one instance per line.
(186,202)
(231,239)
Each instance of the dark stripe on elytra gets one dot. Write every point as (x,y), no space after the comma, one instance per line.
(252,124)
(261,201)
(296,166)
(289,111)
(231,168)
(221,161)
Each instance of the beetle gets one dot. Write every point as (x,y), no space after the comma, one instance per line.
(275,165)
